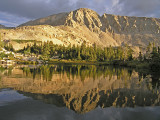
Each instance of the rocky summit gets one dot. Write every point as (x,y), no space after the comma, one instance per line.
(86,25)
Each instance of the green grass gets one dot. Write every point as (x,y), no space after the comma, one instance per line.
(130,64)
(56,61)
(25,41)
(136,64)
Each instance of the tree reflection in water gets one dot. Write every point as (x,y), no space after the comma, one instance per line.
(82,88)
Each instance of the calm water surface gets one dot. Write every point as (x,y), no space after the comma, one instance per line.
(78,92)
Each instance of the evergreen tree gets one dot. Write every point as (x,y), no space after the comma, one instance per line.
(149,48)
(79,55)
(140,57)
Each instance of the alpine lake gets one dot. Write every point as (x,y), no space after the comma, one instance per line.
(78,92)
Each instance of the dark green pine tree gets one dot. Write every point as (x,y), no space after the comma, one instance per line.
(140,57)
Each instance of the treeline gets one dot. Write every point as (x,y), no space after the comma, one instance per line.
(9,47)
(152,56)
(48,50)
(83,52)
(1,45)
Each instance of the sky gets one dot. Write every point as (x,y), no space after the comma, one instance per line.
(16,12)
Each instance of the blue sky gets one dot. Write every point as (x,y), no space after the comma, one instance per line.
(15,12)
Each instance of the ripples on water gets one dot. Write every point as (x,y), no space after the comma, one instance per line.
(111,91)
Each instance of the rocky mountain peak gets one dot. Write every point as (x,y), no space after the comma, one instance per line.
(84,17)
(87,25)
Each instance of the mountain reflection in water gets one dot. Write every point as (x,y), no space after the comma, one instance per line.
(84,88)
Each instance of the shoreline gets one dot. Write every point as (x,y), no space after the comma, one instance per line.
(130,64)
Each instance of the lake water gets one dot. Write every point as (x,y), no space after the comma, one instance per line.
(78,92)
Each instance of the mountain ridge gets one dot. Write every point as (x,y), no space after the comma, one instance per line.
(40,20)
(84,24)
(2,26)
(79,16)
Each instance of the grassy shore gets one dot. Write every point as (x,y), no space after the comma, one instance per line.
(131,64)
(78,62)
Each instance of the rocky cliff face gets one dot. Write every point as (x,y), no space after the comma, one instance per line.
(86,25)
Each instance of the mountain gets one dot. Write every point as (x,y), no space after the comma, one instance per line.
(84,24)
(2,26)
(54,20)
